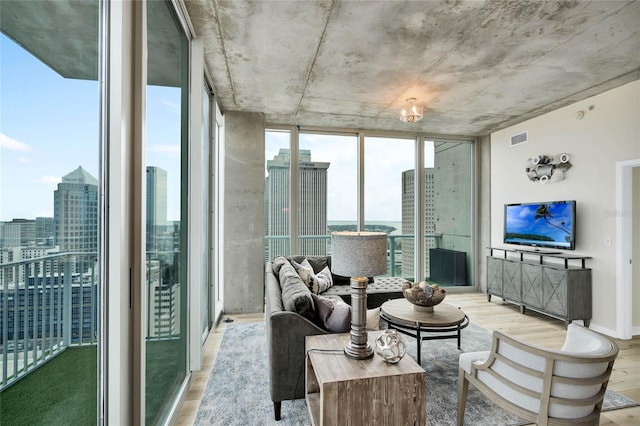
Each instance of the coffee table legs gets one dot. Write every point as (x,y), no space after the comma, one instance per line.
(419,340)
(419,337)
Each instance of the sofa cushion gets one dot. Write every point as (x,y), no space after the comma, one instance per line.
(296,296)
(277,263)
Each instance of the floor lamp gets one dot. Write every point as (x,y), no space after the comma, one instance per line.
(358,255)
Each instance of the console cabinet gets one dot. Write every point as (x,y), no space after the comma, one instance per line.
(559,290)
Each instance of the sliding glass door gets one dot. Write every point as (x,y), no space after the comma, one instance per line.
(208,215)
(166,210)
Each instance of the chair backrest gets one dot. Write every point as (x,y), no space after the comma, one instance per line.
(566,384)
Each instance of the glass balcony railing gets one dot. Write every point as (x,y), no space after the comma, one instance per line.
(51,303)
(400,249)
(47,304)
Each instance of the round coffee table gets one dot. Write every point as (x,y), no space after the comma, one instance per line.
(445,322)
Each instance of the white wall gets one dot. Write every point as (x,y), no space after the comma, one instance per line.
(609,132)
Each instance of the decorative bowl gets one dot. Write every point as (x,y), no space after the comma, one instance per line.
(423,296)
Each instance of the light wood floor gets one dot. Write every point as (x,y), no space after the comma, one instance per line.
(497,315)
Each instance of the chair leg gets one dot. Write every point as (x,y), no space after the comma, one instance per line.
(277,405)
(463,388)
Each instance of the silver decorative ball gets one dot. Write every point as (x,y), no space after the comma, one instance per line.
(390,346)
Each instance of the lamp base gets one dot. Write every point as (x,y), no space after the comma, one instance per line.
(357,351)
(358,346)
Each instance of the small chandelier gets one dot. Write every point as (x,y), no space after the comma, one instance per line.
(411,112)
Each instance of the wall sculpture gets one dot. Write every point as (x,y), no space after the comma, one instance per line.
(545,168)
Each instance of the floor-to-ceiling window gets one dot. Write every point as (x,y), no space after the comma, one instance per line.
(448,214)
(437,200)
(217,153)
(50,100)
(327,189)
(208,213)
(166,210)
(276,193)
(388,198)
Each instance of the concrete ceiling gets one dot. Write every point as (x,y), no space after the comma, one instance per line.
(478,66)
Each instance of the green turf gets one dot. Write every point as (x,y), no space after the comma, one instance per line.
(64,390)
(61,392)
(165,373)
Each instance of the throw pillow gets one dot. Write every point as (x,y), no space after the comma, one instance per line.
(296,296)
(323,281)
(373,319)
(332,315)
(335,315)
(318,263)
(305,272)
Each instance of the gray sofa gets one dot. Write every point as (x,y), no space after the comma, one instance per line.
(286,329)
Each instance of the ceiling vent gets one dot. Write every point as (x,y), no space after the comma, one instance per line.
(518,139)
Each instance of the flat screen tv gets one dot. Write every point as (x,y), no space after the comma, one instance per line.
(541,225)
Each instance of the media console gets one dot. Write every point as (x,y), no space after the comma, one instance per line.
(527,278)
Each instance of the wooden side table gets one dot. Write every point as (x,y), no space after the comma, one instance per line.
(341,390)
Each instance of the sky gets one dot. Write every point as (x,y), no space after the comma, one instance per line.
(49,126)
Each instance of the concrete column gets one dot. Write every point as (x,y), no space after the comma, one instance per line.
(243,213)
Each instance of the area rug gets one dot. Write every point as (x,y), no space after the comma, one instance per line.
(237,392)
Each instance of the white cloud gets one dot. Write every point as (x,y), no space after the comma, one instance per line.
(167,149)
(170,105)
(13,145)
(49,180)
(23,160)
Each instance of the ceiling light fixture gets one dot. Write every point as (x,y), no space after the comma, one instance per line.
(411,112)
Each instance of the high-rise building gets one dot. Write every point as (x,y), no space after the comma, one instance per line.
(312,195)
(18,233)
(156,208)
(447,220)
(408,215)
(75,212)
(10,234)
(45,230)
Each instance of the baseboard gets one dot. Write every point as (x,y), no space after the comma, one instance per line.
(635,331)
(606,331)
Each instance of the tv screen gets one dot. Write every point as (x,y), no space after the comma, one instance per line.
(545,225)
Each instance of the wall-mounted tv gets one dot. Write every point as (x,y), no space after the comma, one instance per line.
(541,225)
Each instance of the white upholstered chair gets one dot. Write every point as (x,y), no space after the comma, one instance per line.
(548,387)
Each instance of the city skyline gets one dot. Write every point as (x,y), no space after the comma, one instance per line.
(55,188)
(385,160)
